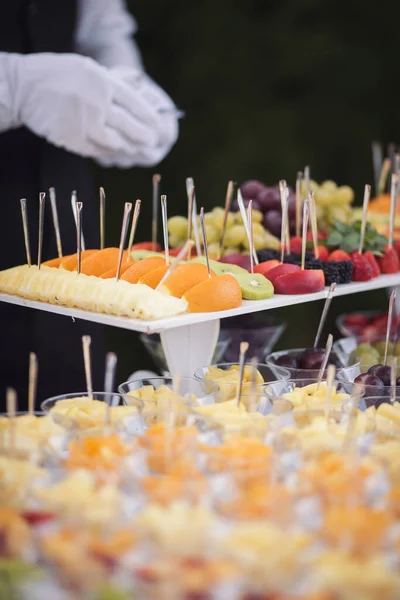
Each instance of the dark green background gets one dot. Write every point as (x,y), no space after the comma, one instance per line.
(267,87)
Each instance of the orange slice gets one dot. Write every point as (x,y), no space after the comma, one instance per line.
(185,277)
(54,262)
(113,272)
(70,263)
(101,262)
(153,277)
(218,293)
(136,271)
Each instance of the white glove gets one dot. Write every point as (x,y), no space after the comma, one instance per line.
(79,105)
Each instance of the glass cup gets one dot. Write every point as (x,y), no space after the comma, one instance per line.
(289,361)
(347,377)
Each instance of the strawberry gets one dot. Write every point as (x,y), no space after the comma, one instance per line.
(323,253)
(338,256)
(372,261)
(397,248)
(295,244)
(362,270)
(389,262)
(355,320)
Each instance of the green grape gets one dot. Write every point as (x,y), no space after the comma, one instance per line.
(344,195)
(235,236)
(257,216)
(397,349)
(211,234)
(175,241)
(323,197)
(258,228)
(258,241)
(329,186)
(367,359)
(213,250)
(230,250)
(219,219)
(313,186)
(340,213)
(380,347)
(366,348)
(178,226)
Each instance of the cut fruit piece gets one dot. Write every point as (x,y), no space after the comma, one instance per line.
(255,286)
(141,254)
(184,278)
(152,278)
(281,270)
(221,268)
(175,252)
(140,268)
(146,246)
(54,263)
(300,282)
(215,294)
(113,272)
(240,260)
(70,263)
(101,262)
(266,266)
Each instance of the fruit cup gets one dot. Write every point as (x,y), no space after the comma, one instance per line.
(351,350)
(374,380)
(302,363)
(367,324)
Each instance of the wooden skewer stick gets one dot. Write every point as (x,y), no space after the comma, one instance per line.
(393,378)
(74,200)
(324,313)
(79,207)
(124,231)
(328,349)
(244,346)
(284,200)
(330,377)
(228,203)
(251,240)
(164,214)
(56,224)
(245,222)
(377,159)
(298,202)
(189,187)
(391,151)
(307,180)
(253,387)
(102,217)
(386,166)
(32,382)
(190,216)
(392,301)
(313,222)
(86,341)
(24,213)
(109,379)
(11,401)
(154,220)
(205,244)
(393,198)
(304,233)
(367,194)
(185,250)
(42,199)
(135,218)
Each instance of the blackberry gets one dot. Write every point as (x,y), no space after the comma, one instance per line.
(268,254)
(338,272)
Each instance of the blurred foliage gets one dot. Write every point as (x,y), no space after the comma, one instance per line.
(267,87)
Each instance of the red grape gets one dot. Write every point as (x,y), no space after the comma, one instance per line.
(273,222)
(269,199)
(250,189)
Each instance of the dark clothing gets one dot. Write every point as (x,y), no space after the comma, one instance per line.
(30,165)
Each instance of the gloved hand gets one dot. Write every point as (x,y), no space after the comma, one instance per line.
(79,105)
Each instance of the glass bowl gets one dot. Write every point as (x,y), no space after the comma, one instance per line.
(366,324)
(347,376)
(296,372)
(153,345)
(189,390)
(261,332)
(372,352)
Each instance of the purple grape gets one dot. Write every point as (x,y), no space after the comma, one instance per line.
(381,371)
(287,360)
(372,384)
(273,222)
(292,206)
(311,359)
(398,381)
(269,199)
(235,206)
(250,189)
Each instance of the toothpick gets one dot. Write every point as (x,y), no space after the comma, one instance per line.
(245,221)
(330,377)
(298,202)
(251,240)
(32,382)
(307,180)
(228,203)
(11,401)
(56,224)
(86,341)
(391,151)
(190,216)
(176,383)
(189,187)
(253,387)
(102,217)
(185,250)
(392,300)
(79,207)
(367,194)
(386,166)
(393,377)
(393,199)
(313,222)
(109,379)
(154,220)
(165,227)
(124,231)
(135,219)
(24,214)
(42,199)
(324,313)
(328,349)
(74,199)
(244,346)
(284,209)
(205,244)
(304,234)
(377,158)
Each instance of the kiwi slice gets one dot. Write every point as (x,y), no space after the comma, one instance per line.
(220,268)
(254,286)
(141,254)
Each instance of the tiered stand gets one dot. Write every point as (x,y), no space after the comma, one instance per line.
(189,340)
